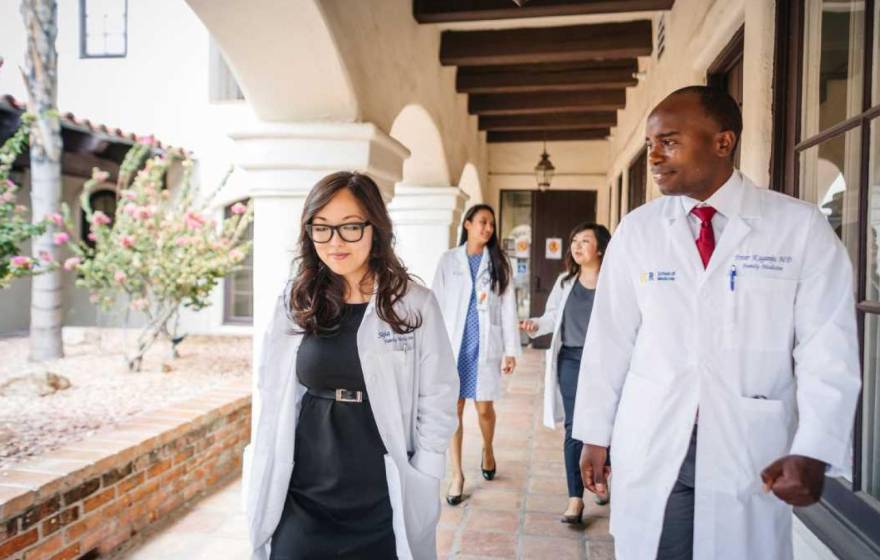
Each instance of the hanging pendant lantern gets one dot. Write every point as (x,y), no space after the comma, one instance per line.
(544,170)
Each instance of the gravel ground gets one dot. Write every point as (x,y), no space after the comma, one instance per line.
(103,392)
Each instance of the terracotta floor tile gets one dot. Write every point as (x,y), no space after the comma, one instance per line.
(492,545)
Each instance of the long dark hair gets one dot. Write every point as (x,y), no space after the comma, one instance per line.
(499,266)
(603,236)
(317,295)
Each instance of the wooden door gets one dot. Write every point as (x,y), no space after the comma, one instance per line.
(554,215)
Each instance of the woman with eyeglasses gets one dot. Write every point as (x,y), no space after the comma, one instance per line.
(473,284)
(356,394)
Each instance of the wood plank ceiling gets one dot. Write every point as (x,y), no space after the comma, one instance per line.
(535,83)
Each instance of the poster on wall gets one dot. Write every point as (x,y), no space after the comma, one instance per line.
(553,248)
(522,248)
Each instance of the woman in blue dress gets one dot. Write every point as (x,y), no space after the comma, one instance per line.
(474,287)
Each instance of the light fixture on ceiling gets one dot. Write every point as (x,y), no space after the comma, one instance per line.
(544,170)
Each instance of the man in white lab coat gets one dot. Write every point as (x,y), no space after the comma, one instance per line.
(721,363)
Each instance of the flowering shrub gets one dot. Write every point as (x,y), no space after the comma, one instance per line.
(15,227)
(161,250)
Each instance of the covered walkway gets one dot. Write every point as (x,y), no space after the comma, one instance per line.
(514,516)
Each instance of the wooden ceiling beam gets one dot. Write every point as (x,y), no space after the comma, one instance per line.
(552,102)
(533,81)
(500,136)
(546,44)
(445,11)
(550,121)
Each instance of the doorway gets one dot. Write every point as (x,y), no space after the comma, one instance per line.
(727,73)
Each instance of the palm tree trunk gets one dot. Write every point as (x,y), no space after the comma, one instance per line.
(41,77)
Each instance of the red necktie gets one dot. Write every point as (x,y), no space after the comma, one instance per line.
(706,239)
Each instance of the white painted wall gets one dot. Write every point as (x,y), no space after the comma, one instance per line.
(696,33)
(161,88)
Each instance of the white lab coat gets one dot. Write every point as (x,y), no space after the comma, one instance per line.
(551,322)
(412,386)
(770,360)
(499,328)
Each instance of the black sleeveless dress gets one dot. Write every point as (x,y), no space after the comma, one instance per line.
(337,505)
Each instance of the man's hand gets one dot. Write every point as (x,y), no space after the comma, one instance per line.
(528,326)
(795,479)
(594,472)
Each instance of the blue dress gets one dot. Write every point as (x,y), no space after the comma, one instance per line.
(469,352)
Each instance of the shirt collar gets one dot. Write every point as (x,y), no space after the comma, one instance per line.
(726,200)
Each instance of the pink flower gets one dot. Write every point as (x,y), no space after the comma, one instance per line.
(92,236)
(94,298)
(236,255)
(20,261)
(10,185)
(129,195)
(20,208)
(130,209)
(72,263)
(238,208)
(61,238)
(139,304)
(45,256)
(99,175)
(193,220)
(182,241)
(56,219)
(120,276)
(126,241)
(143,213)
(9,196)
(100,219)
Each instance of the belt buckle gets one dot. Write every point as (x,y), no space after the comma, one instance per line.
(344,395)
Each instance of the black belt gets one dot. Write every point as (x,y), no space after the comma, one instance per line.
(339,395)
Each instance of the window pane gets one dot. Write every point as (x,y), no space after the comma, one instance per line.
(516,236)
(240,284)
(871,408)
(829,178)
(834,33)
(871,391)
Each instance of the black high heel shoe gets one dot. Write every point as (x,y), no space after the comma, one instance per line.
(487,474)
(573,519)
(454,500)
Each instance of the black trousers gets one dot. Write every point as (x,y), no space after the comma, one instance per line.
(568,367)
(677,538)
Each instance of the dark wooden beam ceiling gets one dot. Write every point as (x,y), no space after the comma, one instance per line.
(499,136)
(555,102)
(546,44)
(441,11)
(536,78)
(549,121)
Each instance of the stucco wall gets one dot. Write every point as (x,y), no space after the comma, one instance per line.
(696,33)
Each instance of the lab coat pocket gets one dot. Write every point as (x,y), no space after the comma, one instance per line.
(760,313)
(765,438)
(421,502)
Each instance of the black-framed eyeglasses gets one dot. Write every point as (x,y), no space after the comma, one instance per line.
(323,233)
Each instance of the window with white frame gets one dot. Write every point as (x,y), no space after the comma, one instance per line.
(103,28)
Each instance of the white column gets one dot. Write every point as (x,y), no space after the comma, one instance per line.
(758,48)
(282,162)
(426,221)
